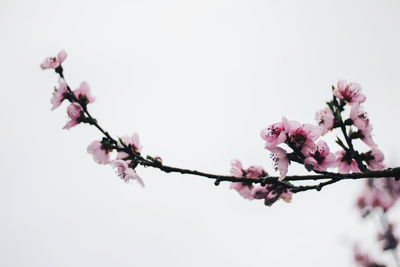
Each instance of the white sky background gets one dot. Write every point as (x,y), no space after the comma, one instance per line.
(197,80)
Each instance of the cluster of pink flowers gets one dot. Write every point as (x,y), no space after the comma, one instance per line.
(270,193)
(82,94)
(378,197)
(378,194)
(288,141)
(100,149)
(291,141)
(301,139)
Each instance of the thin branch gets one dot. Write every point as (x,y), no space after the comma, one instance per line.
(274,180)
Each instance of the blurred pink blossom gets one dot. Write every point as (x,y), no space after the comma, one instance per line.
(364,260)
(388,238)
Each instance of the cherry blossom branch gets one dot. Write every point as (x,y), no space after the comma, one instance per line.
(300,138)
(225,178)
(337,110)
(335,177)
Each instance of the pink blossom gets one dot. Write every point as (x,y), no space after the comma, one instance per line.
(381,199)
(245,189)
(325,120)
(374,159)
(349,92)
(273,135)
(255,171)
(132,141)
(54,62)
(281,161)
(364,260)
(345,163)
(319,157)
(301,135)
(359,117)
(75,113)
(270,195)
(59,94)
(83,93)
(236,168)
(100,153)
(366,136)
(378,193)
(363,202)
(125,172)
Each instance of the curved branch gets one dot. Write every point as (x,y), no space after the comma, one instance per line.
(274,180)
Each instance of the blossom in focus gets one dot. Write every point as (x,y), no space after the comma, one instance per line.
(273,135)
(125,172)
(59,94)
(345,163)
(301,135)
(281,161)
(374,159)
(54,62)
(319,157)
(325,120)
(83,93)
(99,152)
(359,117)
(75,113)
(131,141)
(349,92)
